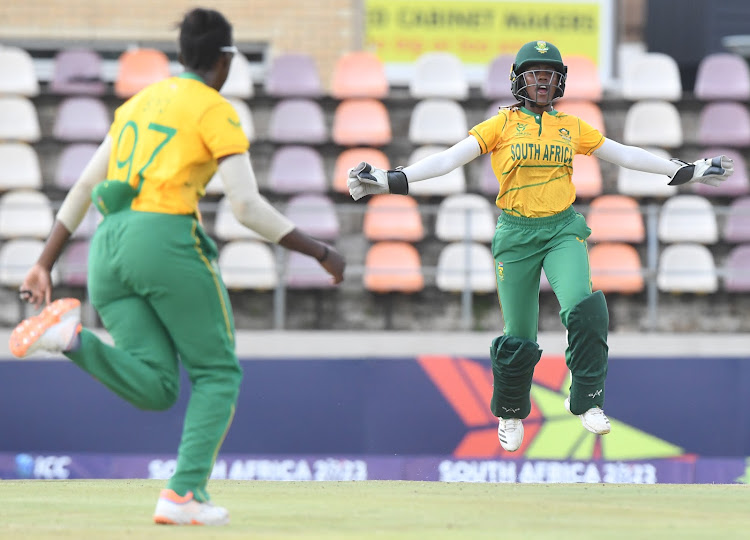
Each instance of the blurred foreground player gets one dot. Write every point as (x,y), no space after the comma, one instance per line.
(153,275)
(532,147)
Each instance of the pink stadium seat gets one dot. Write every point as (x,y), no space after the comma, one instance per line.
(496,84)
(71,162)
(297,169)
(314,214)
(293,75)
(297,121)
(736,185)
(303,272)
(724,123)
(74,264)
(723,76)
(737,268)
(737,225)
(78,71)
(81,118)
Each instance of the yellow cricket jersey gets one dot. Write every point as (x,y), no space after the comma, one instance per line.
(167,139)
(532,158)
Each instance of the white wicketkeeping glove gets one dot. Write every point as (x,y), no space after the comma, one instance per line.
(364,179)
(711,171)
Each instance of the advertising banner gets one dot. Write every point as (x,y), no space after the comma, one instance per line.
(477,31)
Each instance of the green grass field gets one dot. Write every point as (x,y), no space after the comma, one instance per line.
(114,509)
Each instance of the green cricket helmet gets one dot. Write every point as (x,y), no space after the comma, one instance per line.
(536,52)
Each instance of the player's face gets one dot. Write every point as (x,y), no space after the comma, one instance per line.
(541,81)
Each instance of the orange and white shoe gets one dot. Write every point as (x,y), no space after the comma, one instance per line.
(52,330)
(174,509)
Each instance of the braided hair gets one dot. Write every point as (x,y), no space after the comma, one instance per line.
(202,34)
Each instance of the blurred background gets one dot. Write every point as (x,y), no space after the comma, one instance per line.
(322,87)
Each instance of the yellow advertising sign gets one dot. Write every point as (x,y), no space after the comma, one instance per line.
(477,31)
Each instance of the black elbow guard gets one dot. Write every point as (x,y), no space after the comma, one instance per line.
(397,182)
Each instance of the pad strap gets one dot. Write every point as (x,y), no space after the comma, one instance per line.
(397,182)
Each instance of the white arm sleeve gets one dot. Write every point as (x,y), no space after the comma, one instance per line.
(78,199)
(443,162)
(632,157)
(248,205)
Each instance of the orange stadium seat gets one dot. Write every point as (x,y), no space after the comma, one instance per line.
(358,122)
(615,267)
(350,158)
(583,81)
(393,267)
(615,218)
(587,176)
(588,111)
(359,74)
(137,69)
(393,217)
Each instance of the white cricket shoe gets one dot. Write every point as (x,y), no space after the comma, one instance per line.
(173,509)
(594,419)
(52,330)
(510,433)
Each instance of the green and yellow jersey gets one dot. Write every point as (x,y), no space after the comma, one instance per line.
(532,158)
(167,140)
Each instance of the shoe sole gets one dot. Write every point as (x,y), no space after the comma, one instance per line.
(26,334)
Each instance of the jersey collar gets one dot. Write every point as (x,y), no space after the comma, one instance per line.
(524,110)
(190,75)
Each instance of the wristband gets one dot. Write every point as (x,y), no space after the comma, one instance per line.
(397,182)
(326,252)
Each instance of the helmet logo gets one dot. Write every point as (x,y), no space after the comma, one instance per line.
(541,47)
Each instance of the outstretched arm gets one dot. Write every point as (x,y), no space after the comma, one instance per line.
(365,179)
(711,171)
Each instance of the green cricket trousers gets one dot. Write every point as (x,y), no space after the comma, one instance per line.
(154,280)
(521,248)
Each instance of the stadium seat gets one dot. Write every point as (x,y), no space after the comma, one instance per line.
(361,122)
(303,272)
(248,265)
(466,264)
(496,83)
(583,81)
(737,269)
(439,75)
(239,83)
(653,123)
(687,268)
(393,267)
(227,227)
(437,121)
(19,120)
(588,111)
(138,68)
(465,216)
(688,218)
(359,74)
(25,213)
(615,268)
(71,162)
(16,257)
(643,184)
(88,225)
(722,76)
(293,75)
(392,217)
(20,167)
(652,75)
(17,73)
(351,157)
(615,218)
(246,117)
(736,185)
(447,184)
(627,53)
(724,123)
(297,121)
(81,118)
(314,214)
(587,176)
(297,169)
(78,72)
(737,224)
(488,183)
(73,264)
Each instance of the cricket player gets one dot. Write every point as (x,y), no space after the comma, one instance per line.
(153,275)
(532,147)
